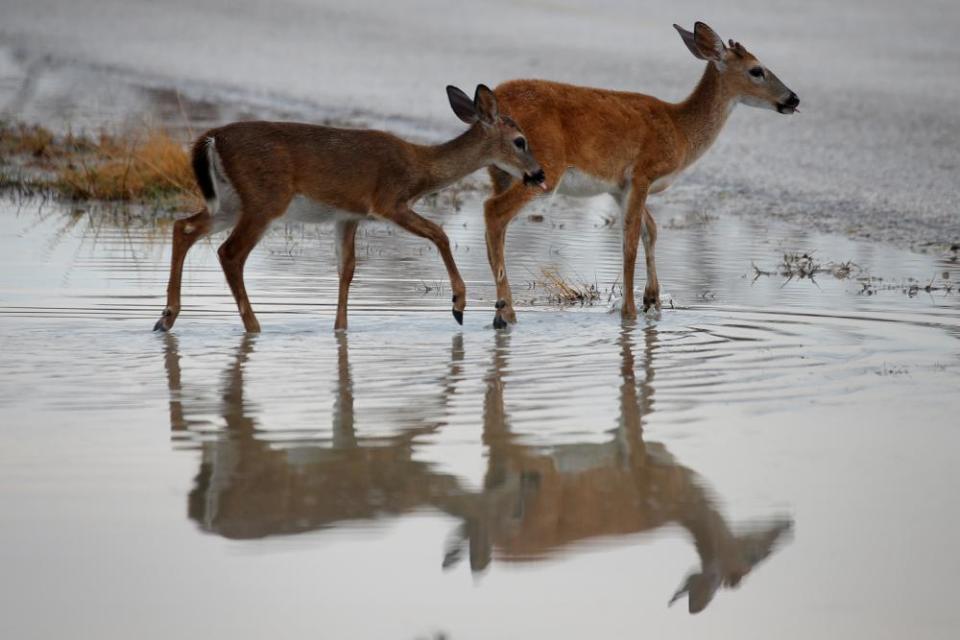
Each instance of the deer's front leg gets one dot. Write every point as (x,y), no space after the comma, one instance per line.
(185,234)
(498,211)
(632,224)
(420,226)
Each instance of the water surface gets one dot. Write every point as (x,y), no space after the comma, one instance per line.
(776,455)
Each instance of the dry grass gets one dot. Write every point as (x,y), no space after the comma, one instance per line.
(24,139)
(565,292)
(37,146)
(138,168)
(803,265)
(911,288)
(150,166)
(799,265)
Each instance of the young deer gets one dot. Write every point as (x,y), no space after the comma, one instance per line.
(252,173)
(593,141)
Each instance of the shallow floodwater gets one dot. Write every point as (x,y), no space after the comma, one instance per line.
(777,455)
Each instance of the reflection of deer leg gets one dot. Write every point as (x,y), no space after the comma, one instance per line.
(234,408)
(224,459)
(344,433)
(344,436)
(496,426)
(636,400)
(171,362)
(456,367)
(485,511)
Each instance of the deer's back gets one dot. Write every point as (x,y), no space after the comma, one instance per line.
(344,168)
(597,130)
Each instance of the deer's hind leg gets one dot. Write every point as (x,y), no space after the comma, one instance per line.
(633,229)
(255,218)
(648,233)
(346,262)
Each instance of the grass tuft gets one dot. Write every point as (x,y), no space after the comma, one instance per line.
(130,168)
(566,292)
(149,166)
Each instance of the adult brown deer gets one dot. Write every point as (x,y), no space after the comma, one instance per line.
(252,173)
(593,141)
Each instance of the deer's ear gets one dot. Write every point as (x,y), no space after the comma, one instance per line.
(486,104)
(690,40)
(462,105)
(708,42)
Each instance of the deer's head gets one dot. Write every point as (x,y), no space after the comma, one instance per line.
(506,143)
(724,563)
(743,74)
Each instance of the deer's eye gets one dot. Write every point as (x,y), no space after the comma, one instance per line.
(757,72)
(520,143)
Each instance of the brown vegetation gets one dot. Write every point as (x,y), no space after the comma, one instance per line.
(147,166)
(565,292)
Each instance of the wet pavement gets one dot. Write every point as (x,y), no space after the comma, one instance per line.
(775,454)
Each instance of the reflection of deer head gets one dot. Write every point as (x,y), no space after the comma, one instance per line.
(535,500)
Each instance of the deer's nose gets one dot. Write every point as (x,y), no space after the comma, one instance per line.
(793,100)
(536,178)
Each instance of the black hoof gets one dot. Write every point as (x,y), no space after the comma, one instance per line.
(160,326)
(458,316)
(498,322)
(501,303)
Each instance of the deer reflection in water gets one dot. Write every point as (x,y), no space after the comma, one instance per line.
(535,500)
(250,487)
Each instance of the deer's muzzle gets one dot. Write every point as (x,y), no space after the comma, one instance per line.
(539,179)
(790,104)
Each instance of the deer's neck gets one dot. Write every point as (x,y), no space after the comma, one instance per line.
(702,115)
(711,534)
(448,162)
